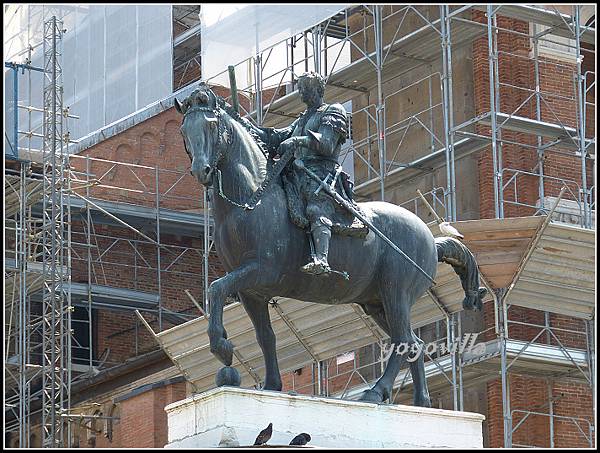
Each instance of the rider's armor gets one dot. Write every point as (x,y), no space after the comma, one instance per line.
(321,156)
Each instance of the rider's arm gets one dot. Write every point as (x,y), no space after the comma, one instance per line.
(271,136)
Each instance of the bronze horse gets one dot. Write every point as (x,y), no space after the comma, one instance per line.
(262,251)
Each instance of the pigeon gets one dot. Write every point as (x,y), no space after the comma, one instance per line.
(301,439)
(448,229)
(264,436)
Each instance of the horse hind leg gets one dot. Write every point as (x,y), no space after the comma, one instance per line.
(396,307)
(377,394)
(417,371)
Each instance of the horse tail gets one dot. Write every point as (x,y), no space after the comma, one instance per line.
(456,254)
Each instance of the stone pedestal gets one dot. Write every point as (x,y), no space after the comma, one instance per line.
(232,416)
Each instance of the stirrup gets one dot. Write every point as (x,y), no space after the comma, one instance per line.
(316,268)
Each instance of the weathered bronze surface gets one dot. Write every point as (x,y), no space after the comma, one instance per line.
(265,252)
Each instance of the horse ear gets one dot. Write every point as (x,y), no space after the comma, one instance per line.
(179,106)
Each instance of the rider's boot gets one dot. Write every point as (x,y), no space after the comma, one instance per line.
(321,235)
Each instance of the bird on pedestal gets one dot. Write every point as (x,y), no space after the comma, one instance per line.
(301,439)
(264,436)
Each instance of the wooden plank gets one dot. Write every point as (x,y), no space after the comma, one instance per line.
(499,244)
(500,257)
(499,275)
(513,223)
(496,235)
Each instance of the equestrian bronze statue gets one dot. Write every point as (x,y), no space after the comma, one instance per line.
(282,232)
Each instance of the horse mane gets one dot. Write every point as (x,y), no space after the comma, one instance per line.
(204,96)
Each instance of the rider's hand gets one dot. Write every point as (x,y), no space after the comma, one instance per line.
(287,144)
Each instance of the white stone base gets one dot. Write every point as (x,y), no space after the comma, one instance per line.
(232,416)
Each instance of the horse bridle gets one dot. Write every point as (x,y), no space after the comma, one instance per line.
(224,139)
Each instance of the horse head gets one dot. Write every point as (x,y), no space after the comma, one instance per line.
(204,134)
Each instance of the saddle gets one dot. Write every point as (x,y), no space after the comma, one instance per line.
(344,222)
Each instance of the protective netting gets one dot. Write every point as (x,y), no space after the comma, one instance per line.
(115,59)
(233,33)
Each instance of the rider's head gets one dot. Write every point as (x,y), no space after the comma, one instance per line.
(311,87)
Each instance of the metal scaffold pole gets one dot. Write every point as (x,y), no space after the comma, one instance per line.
(258,101)
(316,43)
(448,107)
(502,315)
(587,218)
(494,128)
(380,113)
(22,349)
(55,326)
(158,243)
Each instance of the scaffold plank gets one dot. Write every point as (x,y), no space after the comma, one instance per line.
(559,277)
(531,126)
(171,221)
(499,245)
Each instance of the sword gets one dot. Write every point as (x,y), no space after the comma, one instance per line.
(340,200)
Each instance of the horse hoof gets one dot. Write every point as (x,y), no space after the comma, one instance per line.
(426,402)
(224,351)
(228,376)
(272,387)
(371,396)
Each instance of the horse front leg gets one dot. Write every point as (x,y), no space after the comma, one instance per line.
(241,278)
(258,311)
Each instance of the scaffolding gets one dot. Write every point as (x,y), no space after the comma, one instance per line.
(55,316)
(38,336)
(427,43)
(74,223)
(385,43)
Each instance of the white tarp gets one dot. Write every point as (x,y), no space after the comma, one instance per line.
(233,33)
(115,59)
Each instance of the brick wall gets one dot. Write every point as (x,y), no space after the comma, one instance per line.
(570,399)
(558,105)
(140,420)
(134,156)
(143,417)
(125,266)
(528,393)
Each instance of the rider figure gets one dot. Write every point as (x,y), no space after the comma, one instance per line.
(317,136)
